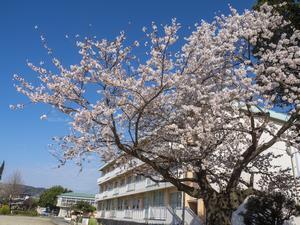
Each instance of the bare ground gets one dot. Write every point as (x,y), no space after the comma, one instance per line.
(24,220)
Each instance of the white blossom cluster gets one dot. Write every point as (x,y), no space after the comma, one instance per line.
(202,107)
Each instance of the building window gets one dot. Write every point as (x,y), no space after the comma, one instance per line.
(138,178)
(122,182)
(136,204)
(176,200)
(158,198)
(129,180)
(126,204)
(120,204)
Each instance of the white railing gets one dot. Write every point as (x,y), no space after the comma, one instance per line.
(130,187)
(107,214)
(149,183)
(117,171)
(120,214)
(128,213)
(104,194)
(138,187)
(112,213)
(138,214)
(152,213)
(191,217)
(157,213)
(100,214)
(98,196)
(116,191)
(109,175)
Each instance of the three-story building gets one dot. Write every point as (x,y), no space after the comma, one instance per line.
(126,197)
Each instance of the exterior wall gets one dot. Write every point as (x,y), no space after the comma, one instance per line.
(110,189)
(125,197)
(201,209)
(119,222)
(63,201)
(64,212)
(66,202)
(285,161)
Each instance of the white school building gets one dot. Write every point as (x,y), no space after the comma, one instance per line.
(127,198)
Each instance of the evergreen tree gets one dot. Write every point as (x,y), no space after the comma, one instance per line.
(269,209)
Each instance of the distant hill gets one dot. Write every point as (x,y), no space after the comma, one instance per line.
(33,191)
(28,190)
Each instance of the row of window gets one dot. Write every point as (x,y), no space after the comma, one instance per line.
(155,199)
(121,182)
(67,201)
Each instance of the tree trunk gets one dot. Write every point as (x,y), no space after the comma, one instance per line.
(220,206)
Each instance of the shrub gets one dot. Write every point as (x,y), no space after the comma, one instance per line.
(25,213)
(269,209)
(92,221)
(5,210)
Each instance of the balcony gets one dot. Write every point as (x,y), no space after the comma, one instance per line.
(112,213)
(132,188)
(100,214)
(157,213)
(150,183)
(128,214)
(116,191)
(152,213)
(117,171)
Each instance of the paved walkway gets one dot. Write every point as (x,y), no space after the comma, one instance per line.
(24,220)
(59,221)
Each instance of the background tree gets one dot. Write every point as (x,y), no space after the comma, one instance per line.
(30,204)
(270,209)
(14,185)
(202,106)
(49,197)
(83,208)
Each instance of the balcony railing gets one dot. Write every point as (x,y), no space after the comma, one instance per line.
(150,182)
(130,187)
(100,214)
(128,213)
(112,213)
(116,191)
(151,213)
(117,171)
(137,187)
(157,213)
(104,194)
(138,214)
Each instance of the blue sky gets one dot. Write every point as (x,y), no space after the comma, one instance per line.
(24,138)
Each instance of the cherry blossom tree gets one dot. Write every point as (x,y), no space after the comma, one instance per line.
(201,106)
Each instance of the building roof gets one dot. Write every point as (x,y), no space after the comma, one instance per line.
(105,164)
(77,195)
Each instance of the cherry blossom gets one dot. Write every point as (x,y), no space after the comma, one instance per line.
(201,106)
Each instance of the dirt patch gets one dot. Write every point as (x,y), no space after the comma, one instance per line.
(24,220)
